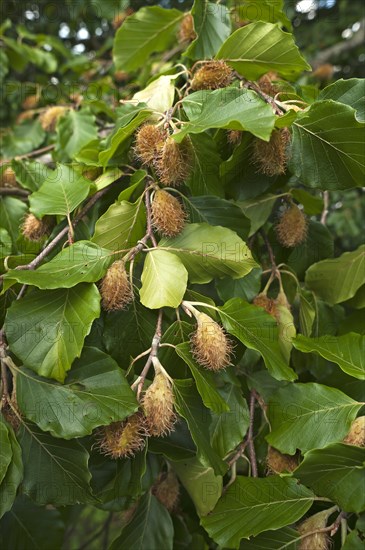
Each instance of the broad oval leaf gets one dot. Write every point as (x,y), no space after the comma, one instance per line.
(74,130)
(350,92)
(336,472)
(327,147)
(348,351)
(122,225)
(230,108)
(260,47)
(46,329)
(339,279)
(212,25)
(253,505)
(151,527)
(62,191)
(151,29)
(95,393)
(210,251)
(82,262)
(164,279)
(55,470)
(309,416)
(6,449)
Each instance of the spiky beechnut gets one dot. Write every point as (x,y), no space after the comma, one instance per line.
(210,344)
(270,157)
(291,230)
(212,75)
(123,439)
(168,214)
(158,405)
(115,288)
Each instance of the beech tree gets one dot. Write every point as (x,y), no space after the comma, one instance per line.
(182,346)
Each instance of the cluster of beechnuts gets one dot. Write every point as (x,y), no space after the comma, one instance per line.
(156,418)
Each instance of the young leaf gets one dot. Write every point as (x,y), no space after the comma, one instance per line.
(348,351)
(55,470)
(6,449)
(210,251)
(164,279)
(204,178)
(327,148)
(260,47)
(122,225)
(151,29)
(336,472)
(95,393)
(46,329)
(309,416)
(257,330)
(252,505)
(202,484)
(62,191)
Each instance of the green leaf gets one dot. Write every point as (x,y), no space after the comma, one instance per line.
(12,212)
(212,25)
(348,351)
(13,476)
(95,393)
(228,429)
(217,211)
(203,486)
(151,527)
(164,279)
(336,472)
(204,178)
(189,405)
(350,92)
(327,147)
(281,539)
(261,47)
(252,505)
(204,381)
(258,210)
(29,173)
(117,142)
(246,288)
(6,449)
(257,330)
(74,130)
(312,205)
(309,416)
(82,262)
(62,191)
(29,526)
(353,541)
(149,30)
(6,245)
(307,312)
(210,251)
(22,139)
(339,279)
(46,329)
(230,108)
(55,470)
(122,225)
(159,94)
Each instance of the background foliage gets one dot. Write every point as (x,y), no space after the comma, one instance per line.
(261,446)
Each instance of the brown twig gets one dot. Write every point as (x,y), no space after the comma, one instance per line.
(270,251)
(34,153)
(139,382)
(267,98)
(149,217)
(250,442)
(14,191)
(325,210)
(331,529)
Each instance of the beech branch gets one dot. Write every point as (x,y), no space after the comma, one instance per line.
(250,442)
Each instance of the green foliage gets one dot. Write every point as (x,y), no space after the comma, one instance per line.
(260,345)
